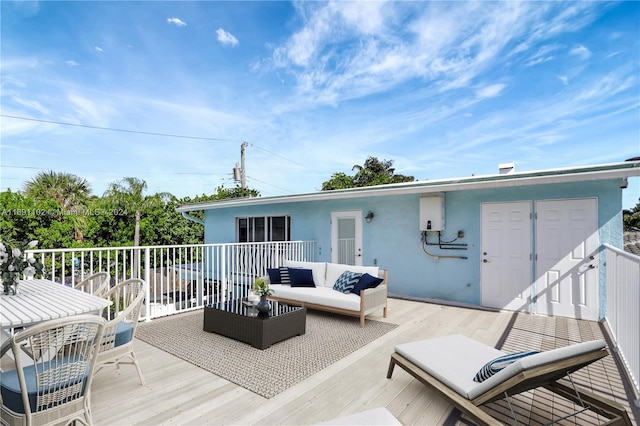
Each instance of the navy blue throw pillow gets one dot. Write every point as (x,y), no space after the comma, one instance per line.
(274,275)
(301,277)
(366,281)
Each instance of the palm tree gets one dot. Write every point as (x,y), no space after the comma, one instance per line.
(128,194)
(69,191)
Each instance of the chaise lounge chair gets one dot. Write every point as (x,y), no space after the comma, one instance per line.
(449,364)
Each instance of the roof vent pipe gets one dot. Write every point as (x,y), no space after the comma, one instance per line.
(506,168)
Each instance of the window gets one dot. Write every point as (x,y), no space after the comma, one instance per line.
(261,228)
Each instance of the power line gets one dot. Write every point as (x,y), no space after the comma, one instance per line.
(111,129)
(284,158)
(111,171)
(269,184)
(61,123)
(168,135)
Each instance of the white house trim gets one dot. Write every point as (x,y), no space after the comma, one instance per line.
(552,176)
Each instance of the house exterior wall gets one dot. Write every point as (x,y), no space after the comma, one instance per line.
(392,239)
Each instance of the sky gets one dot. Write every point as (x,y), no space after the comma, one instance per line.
(168,91)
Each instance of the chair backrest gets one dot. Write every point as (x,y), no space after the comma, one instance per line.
(126,299)
(54,368)
(96,284)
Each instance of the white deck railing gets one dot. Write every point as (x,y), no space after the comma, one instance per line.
(623,309)
(179,278)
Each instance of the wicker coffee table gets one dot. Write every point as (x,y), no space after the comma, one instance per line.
(239,320)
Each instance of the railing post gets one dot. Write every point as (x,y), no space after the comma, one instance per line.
(147,280)
(223,273)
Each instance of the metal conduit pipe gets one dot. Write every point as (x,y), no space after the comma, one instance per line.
(192,219)
(440,257)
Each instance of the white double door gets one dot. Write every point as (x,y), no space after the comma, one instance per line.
(564,253)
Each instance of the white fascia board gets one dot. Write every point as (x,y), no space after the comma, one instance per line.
(574,174)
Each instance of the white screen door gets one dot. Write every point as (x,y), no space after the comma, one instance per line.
(346,237)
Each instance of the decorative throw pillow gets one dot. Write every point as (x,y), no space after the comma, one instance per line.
(300,277)
(274,275)
(366,281)
(346,281)
(284,275)
(495,365)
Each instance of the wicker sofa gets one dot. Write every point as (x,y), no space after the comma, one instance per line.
(322,296)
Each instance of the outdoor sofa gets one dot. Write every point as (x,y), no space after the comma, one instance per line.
(313,285)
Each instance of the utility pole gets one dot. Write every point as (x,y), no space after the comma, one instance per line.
(243,171)
(240,173)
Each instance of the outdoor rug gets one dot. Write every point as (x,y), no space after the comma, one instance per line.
(266,372)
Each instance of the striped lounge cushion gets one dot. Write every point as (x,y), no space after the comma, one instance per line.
(495,365)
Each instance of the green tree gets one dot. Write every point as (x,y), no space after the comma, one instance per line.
(338,181)
(631,218)
(23,218)
(66,189)
(373,172)
(223,193)
(70,193)
(128,194)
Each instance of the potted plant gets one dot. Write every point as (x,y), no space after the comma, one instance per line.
(13,264)
(261,287)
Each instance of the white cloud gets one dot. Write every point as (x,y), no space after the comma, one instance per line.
(490,91)
(98,49)
(72,63)
(580,51)
(544,54)
(176,21)
(343,52)
(226,38)
(564,79)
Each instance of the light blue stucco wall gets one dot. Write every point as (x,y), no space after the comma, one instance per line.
(392,239)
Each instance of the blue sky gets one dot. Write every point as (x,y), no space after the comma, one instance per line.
(444,89)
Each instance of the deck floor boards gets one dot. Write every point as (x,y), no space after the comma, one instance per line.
(178,392)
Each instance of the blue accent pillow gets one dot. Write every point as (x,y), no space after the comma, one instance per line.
(495,365)
(284,275)
(366,281)
(346,281)
(301,277)
(274,275)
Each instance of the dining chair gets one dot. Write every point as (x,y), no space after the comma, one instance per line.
(96,284)
(127,298)
(54,364)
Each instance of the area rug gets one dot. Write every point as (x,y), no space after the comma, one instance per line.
(267,372)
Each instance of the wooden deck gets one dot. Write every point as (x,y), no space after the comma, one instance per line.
(179,393)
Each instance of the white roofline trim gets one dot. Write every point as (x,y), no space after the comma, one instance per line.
(551,176)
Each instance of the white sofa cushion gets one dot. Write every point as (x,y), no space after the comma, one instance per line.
(319,295)
(334,270)
(318,269)
(454,359)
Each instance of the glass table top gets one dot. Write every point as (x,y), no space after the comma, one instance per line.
(245,308)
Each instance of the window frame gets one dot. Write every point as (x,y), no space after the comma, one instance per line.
(262,227)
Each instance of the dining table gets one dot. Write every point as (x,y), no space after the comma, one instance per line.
(41,300)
